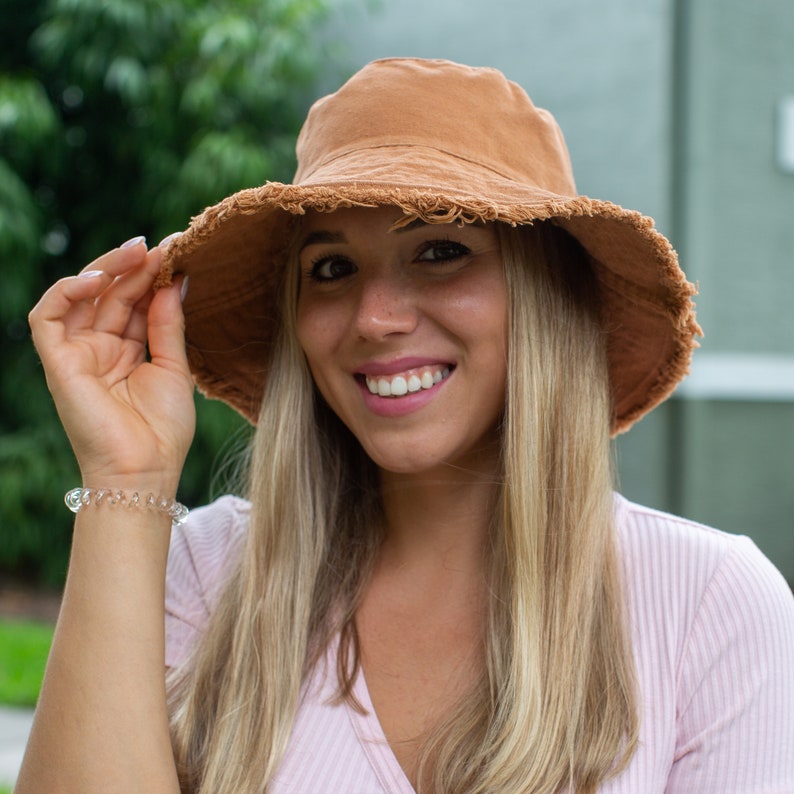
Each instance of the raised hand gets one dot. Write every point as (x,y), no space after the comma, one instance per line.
(129,416)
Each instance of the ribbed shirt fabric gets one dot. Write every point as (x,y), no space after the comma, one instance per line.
(712,625)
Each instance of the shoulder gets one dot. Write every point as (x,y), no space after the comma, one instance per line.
(685,558)
(676,570)
(201,557)
(203,547)
(712,625)
(210,533)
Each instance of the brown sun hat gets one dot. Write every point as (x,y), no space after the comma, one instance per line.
(443,142)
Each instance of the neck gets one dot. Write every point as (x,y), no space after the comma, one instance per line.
(440,519)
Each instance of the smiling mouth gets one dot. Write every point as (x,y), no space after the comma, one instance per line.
(408,382)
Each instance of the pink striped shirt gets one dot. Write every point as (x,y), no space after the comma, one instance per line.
(712,623)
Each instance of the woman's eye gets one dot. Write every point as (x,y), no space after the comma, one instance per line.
(330,268)
(442,251)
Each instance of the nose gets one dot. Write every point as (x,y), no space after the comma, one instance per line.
(386,306)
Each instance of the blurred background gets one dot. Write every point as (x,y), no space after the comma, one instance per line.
(125,117)
(122,117)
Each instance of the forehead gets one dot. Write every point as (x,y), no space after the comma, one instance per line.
(383,218)
(343,224)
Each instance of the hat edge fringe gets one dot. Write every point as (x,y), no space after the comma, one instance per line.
(431,204)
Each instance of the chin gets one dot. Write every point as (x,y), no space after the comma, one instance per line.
(402,466)
(417,464)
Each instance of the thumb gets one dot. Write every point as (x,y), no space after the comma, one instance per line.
(166,333)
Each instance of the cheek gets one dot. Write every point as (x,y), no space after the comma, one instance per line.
(304,330)
(488,326)
(482,310)
(318,333)
(310,341)
(313,330)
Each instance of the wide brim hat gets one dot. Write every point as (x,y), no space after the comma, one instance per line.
(443,142)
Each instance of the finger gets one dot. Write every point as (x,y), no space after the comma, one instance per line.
(166,328)
(119,260)
(117,305)
(68,302)
(73,297)
(137,328)
(138,325)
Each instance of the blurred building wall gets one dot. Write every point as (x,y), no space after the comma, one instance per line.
(735,229)
(670,107)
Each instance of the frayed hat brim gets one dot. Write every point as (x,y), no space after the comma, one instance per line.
(235,252)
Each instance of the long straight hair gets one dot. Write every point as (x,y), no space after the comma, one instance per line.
(555,707)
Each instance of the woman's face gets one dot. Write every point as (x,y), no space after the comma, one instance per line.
(405,333)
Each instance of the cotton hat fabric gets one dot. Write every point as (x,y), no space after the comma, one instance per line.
(443,142)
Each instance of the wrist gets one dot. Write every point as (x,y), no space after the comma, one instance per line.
(160,483)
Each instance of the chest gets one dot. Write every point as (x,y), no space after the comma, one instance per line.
(419,667)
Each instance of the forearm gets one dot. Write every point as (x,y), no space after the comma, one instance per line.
(101,722)
(114,353)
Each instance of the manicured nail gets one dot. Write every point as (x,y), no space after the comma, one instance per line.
(183,290)
(133,241)
(91,274)
(166,241)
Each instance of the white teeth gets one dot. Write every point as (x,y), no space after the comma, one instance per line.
(402,384)
(399,386)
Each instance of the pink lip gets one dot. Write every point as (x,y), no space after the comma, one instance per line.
(375,368)
(398,406)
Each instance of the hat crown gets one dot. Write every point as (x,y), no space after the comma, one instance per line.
(473,114)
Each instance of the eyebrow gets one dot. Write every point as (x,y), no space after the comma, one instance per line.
(325,237)
(416,223)
(322,238)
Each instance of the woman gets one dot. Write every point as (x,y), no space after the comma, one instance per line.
(432,586)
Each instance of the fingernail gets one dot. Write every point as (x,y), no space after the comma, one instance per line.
(91,274)
(183,290)
(166,241)
(133,241)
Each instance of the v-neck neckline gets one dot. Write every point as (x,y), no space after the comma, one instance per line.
(372,739)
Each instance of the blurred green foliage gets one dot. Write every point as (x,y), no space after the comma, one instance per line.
(118,118)
(24,647)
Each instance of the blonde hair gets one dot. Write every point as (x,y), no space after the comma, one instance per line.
(556,705)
